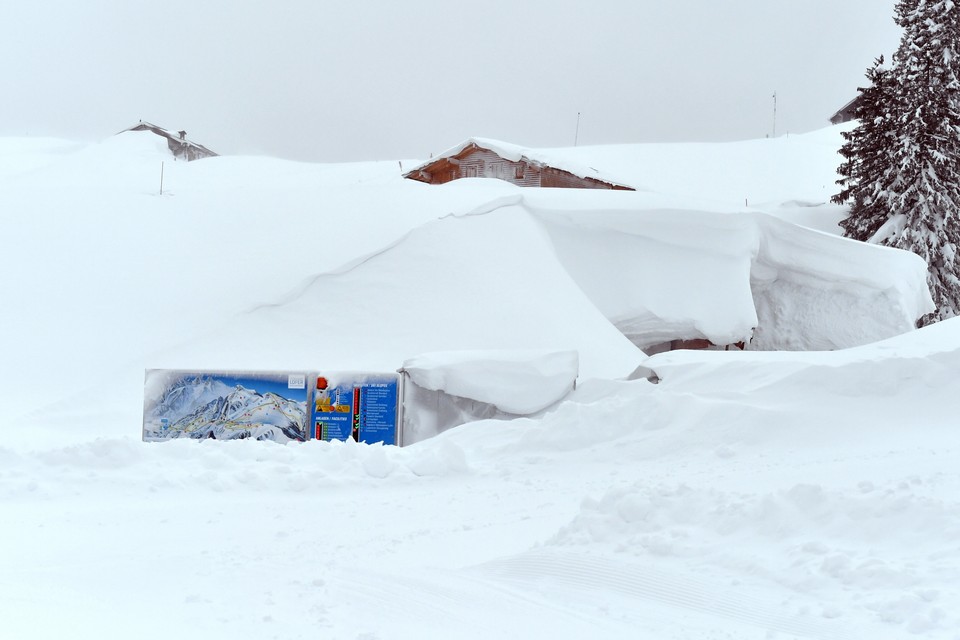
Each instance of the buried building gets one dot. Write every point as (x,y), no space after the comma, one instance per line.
(484,158)
(179,146)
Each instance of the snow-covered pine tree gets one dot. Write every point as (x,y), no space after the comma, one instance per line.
(920,188)
(866,153)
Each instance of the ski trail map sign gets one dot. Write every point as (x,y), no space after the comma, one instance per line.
(281,407)
(225,406)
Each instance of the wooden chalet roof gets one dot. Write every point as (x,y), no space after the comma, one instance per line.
(196,150)
(514,153)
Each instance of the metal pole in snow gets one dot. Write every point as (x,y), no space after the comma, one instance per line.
(161,177)
(774,114)
(576,136)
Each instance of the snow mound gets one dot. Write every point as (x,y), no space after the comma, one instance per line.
(237,467)
(816,541)
(751,173)
(128,162)
(481,282)
(23,155)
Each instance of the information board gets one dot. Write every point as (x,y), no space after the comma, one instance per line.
(362,407)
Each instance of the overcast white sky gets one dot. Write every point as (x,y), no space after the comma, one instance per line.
(381,79)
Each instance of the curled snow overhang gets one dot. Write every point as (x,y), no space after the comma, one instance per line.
(513,153)
(836,262)
(662,273)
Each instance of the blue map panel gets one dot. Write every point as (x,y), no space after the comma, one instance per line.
(363,407)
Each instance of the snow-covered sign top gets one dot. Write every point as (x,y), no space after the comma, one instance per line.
(521,382)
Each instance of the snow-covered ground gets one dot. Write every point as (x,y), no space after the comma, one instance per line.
(744,495)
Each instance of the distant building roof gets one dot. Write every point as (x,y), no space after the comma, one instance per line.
(178,144)
(847,112)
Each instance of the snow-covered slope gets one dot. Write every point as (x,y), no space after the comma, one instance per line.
(790,171)
(236,241)
(726,501)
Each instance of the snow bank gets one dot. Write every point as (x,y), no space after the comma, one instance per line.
(129,162)
(767,174)
(215,257)
(822,480)
(23,155)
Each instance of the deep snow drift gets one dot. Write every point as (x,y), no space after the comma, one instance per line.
(745,495)
(363,269)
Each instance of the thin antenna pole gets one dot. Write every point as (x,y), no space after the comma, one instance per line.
(576,136)
(161,177)
(774,114)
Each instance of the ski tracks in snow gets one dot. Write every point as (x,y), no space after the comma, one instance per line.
(578,574)
(567,595)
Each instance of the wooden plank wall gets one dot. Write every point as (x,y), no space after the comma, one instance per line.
(566,180)
(483,163)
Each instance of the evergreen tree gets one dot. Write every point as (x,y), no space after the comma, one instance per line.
(914,203)
(922,183)
(865,155)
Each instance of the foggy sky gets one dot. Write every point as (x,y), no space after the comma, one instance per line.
(380,79)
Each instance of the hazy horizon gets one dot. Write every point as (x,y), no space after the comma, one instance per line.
(331,82)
